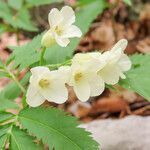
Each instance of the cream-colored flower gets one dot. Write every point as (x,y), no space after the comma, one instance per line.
(61,27)
(82,58)
(116,63)
(47,85)
(84,78)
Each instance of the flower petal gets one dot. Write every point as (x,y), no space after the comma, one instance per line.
(55,17)
(63,42)
(110,74)
(39,69)
(48,39)
(64,73)
(82,90)
(124,63)
(68,15)
(34,98)
(72,31)
(111,57)
(122,76)
(57,93)
(97,85)
(122,44)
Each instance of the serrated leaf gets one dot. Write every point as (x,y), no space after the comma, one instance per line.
(3,135)
(23,20)
(12,91)
(3,142)
(138,78)
(5,11)
(84,17)
(28,54)
(20,140)
(5,103)
(4,129)
(4,116)
(4,74)
(2,71)
(56,129)
(16,4)
(41,2)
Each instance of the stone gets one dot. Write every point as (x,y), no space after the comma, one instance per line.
(129,133)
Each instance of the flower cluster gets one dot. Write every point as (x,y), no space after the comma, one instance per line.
(87,76)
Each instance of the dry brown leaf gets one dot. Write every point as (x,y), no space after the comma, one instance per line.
(144,46)
(110,104)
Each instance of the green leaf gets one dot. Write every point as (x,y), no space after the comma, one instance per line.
(12,91)
(4,116)
(84,2)
(138,78)
(22,19)
(56,129)
(42,2)
(128,2)
(4,135)
(3,140)
(5,12)
(6,103)
(84,17)
(4,74)
(20,140)
(1,64)
(3,28)
(28,54)
(4,129)
(16,4)
(2,70)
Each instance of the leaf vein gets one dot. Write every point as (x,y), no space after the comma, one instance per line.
(51,128)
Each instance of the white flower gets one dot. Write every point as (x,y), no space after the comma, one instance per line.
(84,78)
(116,63)
(82,58)
(61,28)
(47,85)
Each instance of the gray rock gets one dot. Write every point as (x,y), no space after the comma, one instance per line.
(130,133)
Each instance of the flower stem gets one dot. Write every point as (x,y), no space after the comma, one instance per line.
(56,66)
(42,56)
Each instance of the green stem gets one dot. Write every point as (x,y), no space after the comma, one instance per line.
(12,76)
(42,56)
(17,36)
(56,66)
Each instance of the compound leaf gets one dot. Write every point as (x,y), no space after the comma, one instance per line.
(20,140)
(56,129)
(28,54)
(5,116)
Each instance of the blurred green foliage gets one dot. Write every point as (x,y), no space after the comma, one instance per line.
(138,78)
(16,14)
